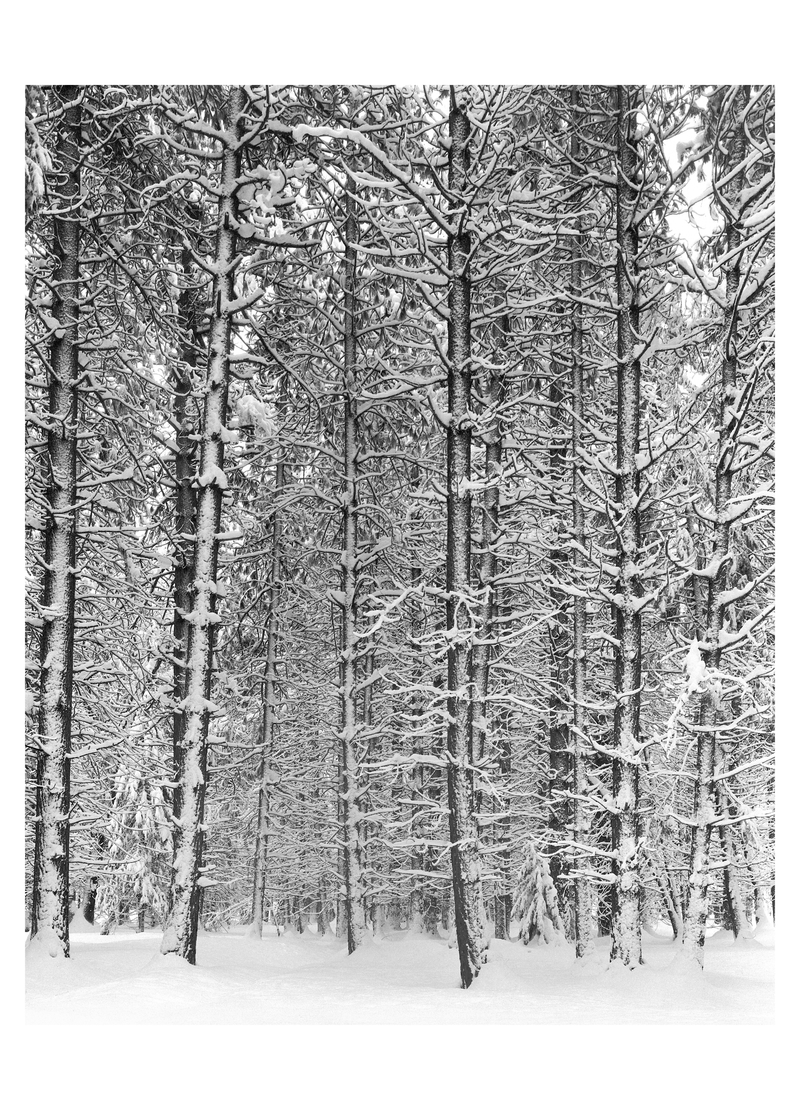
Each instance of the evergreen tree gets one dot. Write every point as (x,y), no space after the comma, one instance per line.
(536,901)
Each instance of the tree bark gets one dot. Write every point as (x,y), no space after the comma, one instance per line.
(351,792)
(733,896)
(50,903)
(504,898)
(584,943)
(415,903)
(487,561)
(626,930)
(467,899)
(266,776)
(560,671)
(180,935)
(184,521)
(485,645)
(489,732)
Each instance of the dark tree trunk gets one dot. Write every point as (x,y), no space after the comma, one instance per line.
(580,784)
(418,809)
(180,935)
(90,902)
(626,928)
(184,519)
(352,787)
(504,893)
(560,671)
(50,903)
(268,726)
(467,899)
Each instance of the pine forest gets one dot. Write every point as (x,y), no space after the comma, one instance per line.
(399,550)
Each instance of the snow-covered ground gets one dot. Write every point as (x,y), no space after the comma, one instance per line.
(400,979)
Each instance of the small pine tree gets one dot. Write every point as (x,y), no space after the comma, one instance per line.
(139,846)
(536,901)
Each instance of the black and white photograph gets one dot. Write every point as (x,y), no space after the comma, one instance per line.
(399,553)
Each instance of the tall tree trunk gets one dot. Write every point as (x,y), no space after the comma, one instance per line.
(372,743)
(483,651)
(463,830)
(580,784)
(486,648)
(436,786)
(266,775)
(184,521)
(558,708)
(504,898)
(626,930)
(50,903)
(705,808)
(418,809)
(733,896)
(487,561)
(351,793)
(180,935)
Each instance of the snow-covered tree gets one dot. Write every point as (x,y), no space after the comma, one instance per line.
(536,902)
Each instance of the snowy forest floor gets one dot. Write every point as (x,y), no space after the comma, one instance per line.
(400,979)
